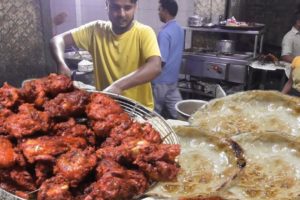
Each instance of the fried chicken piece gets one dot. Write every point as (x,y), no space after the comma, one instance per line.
(7,184)
(9,96)
(116,182)
(57,83)
(101,106)
(67,104)
(8,156)
(71,128)
(136,131)
(4,113)
(46,148)
(37,91)
(55,188)
(33,91)
(115,122)
(27,122)
(22,178)
(75,165)
(157,161)
(43,170)
(16,179)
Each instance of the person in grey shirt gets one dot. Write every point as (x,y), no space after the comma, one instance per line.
(291,48)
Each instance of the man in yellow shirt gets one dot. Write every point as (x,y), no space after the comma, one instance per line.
(125,52)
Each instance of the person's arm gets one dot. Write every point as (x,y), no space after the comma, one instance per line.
(288,85)
(287,58)
(143,74)
(57,47)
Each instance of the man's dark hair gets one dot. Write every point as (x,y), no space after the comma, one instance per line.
(169,5)
(296,14)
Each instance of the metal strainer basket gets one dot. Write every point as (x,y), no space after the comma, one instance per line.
(137,112)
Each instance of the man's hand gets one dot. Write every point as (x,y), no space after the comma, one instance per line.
(113,89)
(64,70)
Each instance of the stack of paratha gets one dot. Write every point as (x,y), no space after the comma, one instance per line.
(244,146)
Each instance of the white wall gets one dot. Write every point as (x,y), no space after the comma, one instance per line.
(83,11)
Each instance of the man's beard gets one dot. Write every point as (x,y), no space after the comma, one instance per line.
(121,29)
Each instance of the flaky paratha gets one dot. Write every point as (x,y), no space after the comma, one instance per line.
(250,111)
(272,170)
(207,163)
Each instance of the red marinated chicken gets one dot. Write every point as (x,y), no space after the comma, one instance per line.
(113,122)
(55,84)
(134,132)
(101,106)
(157,161)
(27,122)
(67,104)
(4,114)
(38,91)
(75,165)
(55,188)
(116,182)
(43,170)
(74,145)
(33,91)
(9,96)
(46,148)
(71,128)
(8,155)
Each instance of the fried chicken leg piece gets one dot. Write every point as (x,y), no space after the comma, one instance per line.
(8,156)
(9,96)
(46,148)
(71,128)
(67,104)
(115,182)
(4,114)
(27,122)
(101,106)
(75,165)
(55,188)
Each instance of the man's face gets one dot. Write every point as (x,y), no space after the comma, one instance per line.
(121,14)
(161,13)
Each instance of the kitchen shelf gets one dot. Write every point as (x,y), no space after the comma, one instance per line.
(258,34)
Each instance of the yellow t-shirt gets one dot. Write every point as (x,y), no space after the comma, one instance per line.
(296,73)
(115,56)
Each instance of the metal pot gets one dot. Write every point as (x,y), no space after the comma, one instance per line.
(195,21)
(225,46)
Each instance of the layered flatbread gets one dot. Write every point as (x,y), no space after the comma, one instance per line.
(250,111)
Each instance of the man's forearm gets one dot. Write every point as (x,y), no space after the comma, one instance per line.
(144,74)
(57,47)
(287,58)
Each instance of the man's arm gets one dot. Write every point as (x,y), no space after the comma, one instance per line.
(143,74)
(288,85)
(57,47)
(287,58)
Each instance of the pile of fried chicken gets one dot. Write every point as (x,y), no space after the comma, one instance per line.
(65,143)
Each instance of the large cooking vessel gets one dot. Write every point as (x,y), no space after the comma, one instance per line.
(225,47)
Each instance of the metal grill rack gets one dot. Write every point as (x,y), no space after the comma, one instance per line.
(137,112)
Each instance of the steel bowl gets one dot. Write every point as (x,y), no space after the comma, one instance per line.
(186,108)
